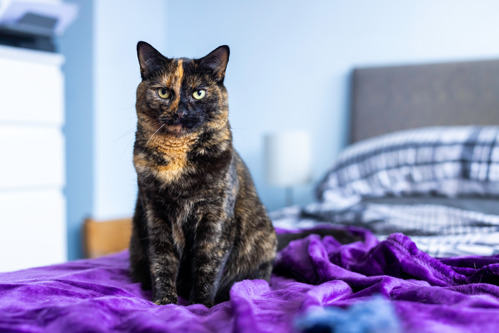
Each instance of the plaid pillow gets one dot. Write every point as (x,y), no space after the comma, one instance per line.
(446,161)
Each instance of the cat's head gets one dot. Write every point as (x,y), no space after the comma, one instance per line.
(182,96)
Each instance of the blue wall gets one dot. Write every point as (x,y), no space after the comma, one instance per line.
(77,47)
(289,68)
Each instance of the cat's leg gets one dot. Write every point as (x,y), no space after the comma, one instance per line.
(139,261)
(164,260)
(210,253)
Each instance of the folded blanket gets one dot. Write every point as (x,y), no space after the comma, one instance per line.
(427,294)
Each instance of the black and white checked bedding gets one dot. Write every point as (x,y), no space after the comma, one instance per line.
(446,161)
(429,163)
(439,230)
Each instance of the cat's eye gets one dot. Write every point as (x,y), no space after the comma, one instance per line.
(199,94)
(163,93)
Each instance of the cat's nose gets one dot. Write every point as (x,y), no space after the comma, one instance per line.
(181,113)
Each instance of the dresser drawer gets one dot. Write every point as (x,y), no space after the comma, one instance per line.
(31,157)
(31,91)
(32,229)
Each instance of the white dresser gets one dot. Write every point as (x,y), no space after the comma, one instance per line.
(32,204)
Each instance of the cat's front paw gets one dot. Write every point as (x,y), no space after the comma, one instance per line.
(165,299)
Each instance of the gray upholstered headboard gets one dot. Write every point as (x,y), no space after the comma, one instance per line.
(388,99)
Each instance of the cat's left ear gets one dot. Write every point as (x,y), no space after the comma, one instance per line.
(217,61)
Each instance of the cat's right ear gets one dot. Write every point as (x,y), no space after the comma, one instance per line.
(150,59)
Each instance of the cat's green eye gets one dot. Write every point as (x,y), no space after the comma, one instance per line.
(199,94)
(163,93)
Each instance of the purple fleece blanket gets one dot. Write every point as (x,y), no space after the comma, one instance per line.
(428,294)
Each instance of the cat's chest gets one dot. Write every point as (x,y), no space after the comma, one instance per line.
(167,168)
(166,160)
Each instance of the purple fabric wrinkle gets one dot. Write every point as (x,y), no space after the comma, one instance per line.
(420,317)
(243,296)
(307,260)
(428,294)
(399,257)
(325,294)
(471,261)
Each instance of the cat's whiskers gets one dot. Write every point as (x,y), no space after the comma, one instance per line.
(153,135)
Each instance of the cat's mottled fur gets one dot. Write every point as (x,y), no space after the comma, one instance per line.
(199,225)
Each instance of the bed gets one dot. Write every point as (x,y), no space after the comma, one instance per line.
(418,190)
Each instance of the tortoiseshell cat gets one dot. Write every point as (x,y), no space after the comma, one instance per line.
(199,225)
